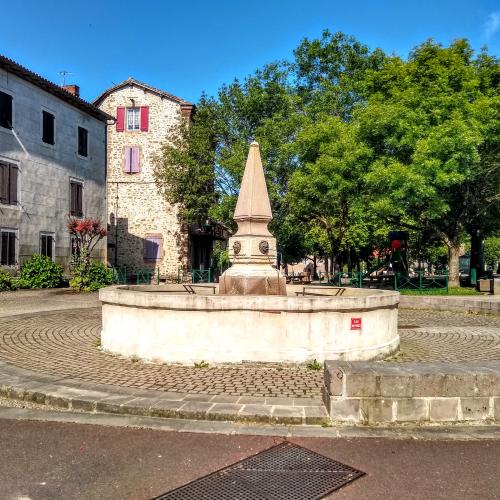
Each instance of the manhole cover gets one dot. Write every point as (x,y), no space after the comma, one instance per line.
(284,472)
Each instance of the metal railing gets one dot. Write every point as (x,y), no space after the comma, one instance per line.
(201,275)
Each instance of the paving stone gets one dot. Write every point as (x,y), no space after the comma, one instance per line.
(195,409)
(475,408)
(443,409)
(287,415)
(412,410)
(113,404)
(224,398)
(166,408)
(316,415)
(83,405)
(224,411)
(255,413)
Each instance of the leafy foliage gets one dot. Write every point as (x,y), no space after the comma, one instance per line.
(40,272)
(89,278)
(6,281)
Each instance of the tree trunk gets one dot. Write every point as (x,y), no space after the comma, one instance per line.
(454,263)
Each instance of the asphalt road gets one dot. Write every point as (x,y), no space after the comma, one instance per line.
(53,460)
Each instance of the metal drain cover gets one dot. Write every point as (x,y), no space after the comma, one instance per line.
(284,472)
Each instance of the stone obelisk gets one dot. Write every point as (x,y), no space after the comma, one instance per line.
(252,249)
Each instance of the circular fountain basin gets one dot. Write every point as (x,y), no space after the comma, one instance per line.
(168,324)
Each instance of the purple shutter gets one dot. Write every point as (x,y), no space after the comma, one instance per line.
(153,247)
(135,166)
(127,160)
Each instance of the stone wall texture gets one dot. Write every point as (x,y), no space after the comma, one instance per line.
(136,207)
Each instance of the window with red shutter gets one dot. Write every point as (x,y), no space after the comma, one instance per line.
(120,119)
(144,118)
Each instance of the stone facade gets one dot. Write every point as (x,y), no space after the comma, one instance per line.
(42,202)
(136,208)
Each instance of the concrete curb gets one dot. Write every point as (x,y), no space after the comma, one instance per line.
(24,385)
(474,304)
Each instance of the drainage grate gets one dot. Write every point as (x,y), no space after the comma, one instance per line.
(284,472)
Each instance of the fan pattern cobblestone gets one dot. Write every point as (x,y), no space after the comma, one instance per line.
(65,344)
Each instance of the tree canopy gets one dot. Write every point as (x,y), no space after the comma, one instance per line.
(354,142)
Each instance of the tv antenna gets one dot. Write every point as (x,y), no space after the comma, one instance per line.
(64,74)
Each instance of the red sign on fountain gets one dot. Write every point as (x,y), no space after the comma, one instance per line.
(355,323)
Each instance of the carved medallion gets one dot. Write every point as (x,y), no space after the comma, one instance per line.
(236,247)
(264,247)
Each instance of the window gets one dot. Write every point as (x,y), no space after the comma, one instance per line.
(47,245)
(131,160)
(153,247)
(7,247)
(8,183)
(133,118)
(83,138)
(76,199)
(5,110)
(48,127)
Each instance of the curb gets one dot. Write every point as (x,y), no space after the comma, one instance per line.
(69,394)
(479,305)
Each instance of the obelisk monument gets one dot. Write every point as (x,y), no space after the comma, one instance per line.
(252,249)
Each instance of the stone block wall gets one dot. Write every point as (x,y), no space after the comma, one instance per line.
(136,207)
(371,393)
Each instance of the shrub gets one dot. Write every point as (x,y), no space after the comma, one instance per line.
(91,277)
(40,272)
(6,281)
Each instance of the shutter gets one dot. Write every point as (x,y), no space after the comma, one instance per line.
(12,248)
(135,160)
(79,199)
(120,119)
(72,198)
(4,247)
(4,183)
(152,250)
(127,160)
(144,118)
(13,185)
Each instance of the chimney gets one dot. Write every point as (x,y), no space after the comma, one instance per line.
(72,89)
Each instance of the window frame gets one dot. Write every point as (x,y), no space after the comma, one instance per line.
(86,155)
(135,109)
(16,246)
(80,182)
(49,112)
(52,235)
(12,110)
(160,249)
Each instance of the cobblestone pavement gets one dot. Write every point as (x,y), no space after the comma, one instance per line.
(65,343)
(447,336)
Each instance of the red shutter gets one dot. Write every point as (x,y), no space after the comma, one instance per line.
(144,118)
(120,119)
(134,163)
(13,184)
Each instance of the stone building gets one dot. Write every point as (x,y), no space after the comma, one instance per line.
(52,165)
(145,230)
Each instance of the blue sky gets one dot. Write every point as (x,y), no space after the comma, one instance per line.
(193,46)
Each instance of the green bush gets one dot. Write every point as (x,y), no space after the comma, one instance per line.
(6,281)
(40,272)
(91,277)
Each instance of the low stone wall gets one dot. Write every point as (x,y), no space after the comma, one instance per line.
(481,305)
(376,393)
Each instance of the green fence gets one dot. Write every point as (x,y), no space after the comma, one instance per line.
(421,282)
(201,275)
(141,275)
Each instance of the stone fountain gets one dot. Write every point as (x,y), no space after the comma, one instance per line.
(254,315)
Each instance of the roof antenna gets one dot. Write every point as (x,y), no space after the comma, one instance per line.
(64,73)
